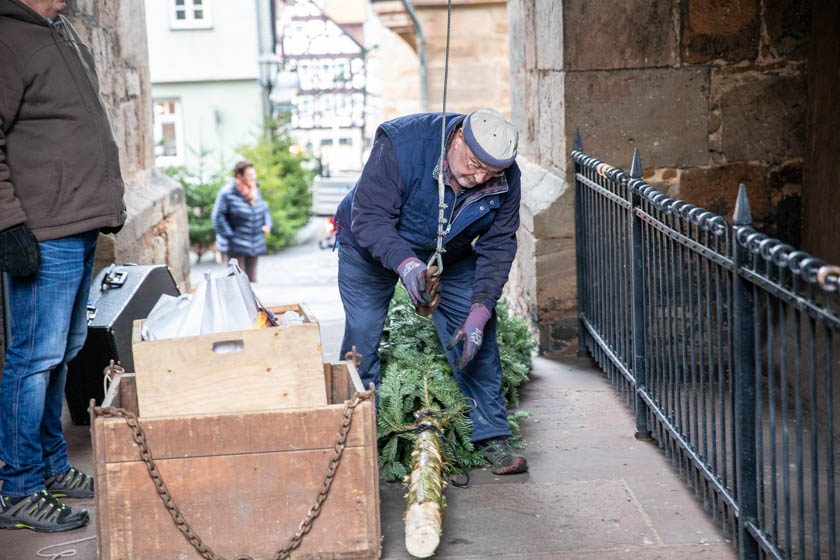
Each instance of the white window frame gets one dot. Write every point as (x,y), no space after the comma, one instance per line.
(189,8)
(158,122)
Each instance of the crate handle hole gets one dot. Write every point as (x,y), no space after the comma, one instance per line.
(228,346)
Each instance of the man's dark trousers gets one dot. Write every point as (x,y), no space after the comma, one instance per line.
(366,290)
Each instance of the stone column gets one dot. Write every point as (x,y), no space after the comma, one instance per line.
(821,191)
(156,230)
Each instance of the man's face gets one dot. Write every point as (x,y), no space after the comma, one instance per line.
(465,168)
(46,8)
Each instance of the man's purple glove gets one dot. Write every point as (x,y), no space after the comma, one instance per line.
(412,273)
(471,332)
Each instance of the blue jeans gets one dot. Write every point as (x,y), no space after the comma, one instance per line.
(48,328)
(366,291)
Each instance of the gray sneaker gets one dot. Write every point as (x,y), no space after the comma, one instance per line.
(502,458)
(40,512)
(72,484)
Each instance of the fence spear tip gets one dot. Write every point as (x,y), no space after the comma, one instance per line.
(578,145)
(636,168)
(742,216)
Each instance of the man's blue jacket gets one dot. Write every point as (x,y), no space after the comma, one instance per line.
(391,214)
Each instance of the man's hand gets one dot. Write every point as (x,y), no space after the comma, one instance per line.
(19,251)
(412,272)
(472,333)
(432,291)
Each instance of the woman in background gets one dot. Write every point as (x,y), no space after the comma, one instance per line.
(241,220)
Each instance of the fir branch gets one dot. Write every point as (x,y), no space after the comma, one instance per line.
(411,351)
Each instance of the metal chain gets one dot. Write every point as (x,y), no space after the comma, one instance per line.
(437,256)
(163,492)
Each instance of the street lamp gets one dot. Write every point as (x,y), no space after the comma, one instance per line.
(269,65)
(279,85)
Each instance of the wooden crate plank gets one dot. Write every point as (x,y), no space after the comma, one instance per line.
(241,504)
(239,371)
(102,493)
(371,470)
(257,432)
(328,380)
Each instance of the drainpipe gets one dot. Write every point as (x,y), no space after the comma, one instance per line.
(421,53)
(266,45)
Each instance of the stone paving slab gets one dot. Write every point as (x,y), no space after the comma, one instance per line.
(540,518)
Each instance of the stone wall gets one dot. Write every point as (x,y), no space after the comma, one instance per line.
(711,93)
(156,230)
(478,56)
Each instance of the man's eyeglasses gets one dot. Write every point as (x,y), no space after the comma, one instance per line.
(474,165)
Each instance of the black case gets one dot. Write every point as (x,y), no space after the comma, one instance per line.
(118,295)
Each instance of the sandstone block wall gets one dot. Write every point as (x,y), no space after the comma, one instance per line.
(478,56)
(156,230)
(711,93)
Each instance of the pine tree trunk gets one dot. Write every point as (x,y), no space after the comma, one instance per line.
(424,516)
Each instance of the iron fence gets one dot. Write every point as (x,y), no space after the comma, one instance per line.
(725,341)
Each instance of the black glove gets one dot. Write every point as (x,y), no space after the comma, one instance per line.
(19,252)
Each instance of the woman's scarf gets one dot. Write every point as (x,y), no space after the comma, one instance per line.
(246,190)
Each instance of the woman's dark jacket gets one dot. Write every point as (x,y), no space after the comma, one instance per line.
(238,223)
(391,214)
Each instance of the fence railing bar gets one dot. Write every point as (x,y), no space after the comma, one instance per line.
(615,287)
(580,252)
(759,405)
(602,191)
(657,382)
(829,405)
(698,462)
(743,335)
(638,332)
(673,334)
(687,241)
(706,348)
(605,348)
(730,356)
(603,317)
(788,531)
(771,398)
(815,461)
(765,543)
(790,297)
(678,272)
(800,435)
(693,322)
(720,437)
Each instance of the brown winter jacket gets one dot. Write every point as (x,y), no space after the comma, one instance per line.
(59,164)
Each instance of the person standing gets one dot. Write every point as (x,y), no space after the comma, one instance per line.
(60,185)
(387,227)
(242,219)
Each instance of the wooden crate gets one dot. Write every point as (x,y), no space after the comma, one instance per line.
(239,371)
(244,482)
